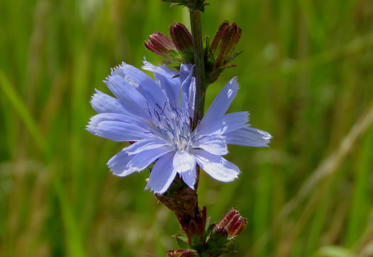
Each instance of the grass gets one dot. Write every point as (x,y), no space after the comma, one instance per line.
(306,77)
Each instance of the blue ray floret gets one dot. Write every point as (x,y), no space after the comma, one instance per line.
(156,115)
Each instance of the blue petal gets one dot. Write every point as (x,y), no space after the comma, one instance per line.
(142,82)
(118,127)
(171,88)
(214,144)
(186,78)
(123,164)
(162,70)
(248,137)
(192,96)
(188,87)
(130,98)
(162,174)
(146,144)
(102,103)
(186,70)
(179,87)
(216,166)
(189,177)
(223,124)
(168,80)
(183,161)
(222,102)
(185,164)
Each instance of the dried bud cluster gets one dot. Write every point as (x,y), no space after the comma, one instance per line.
(175,51)
(221,51)
(218,54)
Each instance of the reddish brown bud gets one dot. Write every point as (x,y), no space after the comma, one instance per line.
(221,50)
(224,42)
(227,218)
(181,253)
(182,38)
(233,223)
(219,35)
(160,44)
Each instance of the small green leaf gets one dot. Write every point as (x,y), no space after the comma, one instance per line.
(209,230)
(182,241)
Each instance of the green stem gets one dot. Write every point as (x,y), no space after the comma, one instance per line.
(199,69)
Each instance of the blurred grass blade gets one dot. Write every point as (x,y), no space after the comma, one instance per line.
(360,203)
(355,46)
(73,238)
(334,251)
(331,164)
(21,109)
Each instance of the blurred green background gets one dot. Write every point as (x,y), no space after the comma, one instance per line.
(306,77)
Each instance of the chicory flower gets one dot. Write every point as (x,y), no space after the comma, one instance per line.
(157,116)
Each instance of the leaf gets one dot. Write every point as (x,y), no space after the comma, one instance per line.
(182,241)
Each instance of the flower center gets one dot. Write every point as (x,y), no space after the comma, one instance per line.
(173,125)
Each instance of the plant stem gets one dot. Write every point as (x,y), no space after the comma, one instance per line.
(199,70)
(183,201)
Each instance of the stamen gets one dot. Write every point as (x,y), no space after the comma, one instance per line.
(173,125)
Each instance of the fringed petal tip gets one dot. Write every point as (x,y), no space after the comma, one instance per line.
(148,66)
(265,135)
(217,167)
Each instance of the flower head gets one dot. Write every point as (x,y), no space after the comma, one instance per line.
(156,116)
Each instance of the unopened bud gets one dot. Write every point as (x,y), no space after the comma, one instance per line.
(182,38)
(219,36)
(160,44)
(232,223)
(221,50)
(224,42)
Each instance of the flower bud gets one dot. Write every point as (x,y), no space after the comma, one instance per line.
(232,223)
(224,42)
(176,51)
(161,45)
(182,38)
(219,36)
(221,51)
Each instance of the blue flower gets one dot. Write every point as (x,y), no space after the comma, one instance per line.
(156,116)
